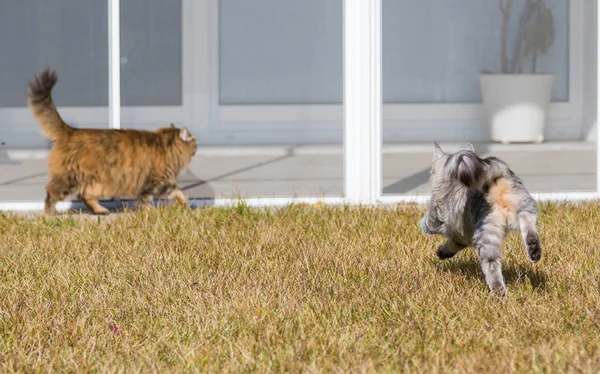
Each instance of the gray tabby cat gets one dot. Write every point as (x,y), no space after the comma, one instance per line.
(477,202)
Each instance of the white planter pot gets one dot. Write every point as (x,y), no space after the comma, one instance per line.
(516,105)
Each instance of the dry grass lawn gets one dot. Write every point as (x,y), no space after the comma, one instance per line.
(296,289)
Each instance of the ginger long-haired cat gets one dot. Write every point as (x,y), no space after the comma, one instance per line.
(95,163)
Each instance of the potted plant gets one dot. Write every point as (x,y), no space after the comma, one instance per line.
(516,102)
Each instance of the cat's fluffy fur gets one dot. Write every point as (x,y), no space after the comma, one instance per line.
(476,202)
(95,163)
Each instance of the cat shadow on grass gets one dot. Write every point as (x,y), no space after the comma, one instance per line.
(198,192)
(122,206)
(513,273)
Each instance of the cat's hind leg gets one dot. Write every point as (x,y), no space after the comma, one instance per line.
(448,249)
(57,190)
(529,234)
(488,239)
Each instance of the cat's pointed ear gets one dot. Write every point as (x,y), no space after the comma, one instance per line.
(437,151)
(172,125)
(185,135)
(468,147)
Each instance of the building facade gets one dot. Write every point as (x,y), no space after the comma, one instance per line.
(240,72)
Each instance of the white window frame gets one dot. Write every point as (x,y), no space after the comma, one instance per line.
(362,125)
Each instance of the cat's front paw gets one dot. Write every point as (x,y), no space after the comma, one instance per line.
(426,227)
(444,252)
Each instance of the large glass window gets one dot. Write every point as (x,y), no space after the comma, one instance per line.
(259,83)
(442,81)
(69,36)
(433,50)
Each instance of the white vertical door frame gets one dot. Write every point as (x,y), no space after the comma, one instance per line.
(114,64)
(362,101)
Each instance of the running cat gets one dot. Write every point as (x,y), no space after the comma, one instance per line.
(477,202)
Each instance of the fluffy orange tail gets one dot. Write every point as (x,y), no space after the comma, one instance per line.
(39,99)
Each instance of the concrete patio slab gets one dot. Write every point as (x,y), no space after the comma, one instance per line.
(291,171)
